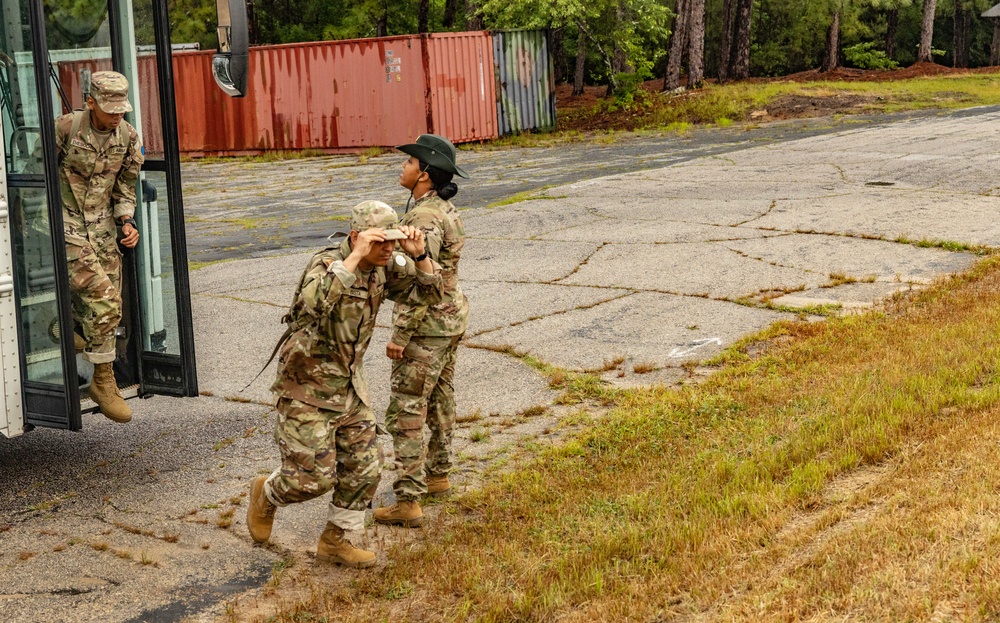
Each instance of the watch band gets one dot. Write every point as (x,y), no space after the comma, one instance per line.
(131,221)
(421,257)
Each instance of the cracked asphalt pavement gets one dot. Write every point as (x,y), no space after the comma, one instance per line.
(660,251)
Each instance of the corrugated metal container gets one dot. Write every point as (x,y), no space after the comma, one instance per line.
(525,81)
(336,95)
(461,86)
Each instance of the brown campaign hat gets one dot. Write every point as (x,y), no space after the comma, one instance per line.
(371,213)
(110,90)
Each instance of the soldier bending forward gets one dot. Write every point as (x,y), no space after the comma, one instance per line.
(326,427)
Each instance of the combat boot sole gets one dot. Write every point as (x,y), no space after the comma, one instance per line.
(333,559)
(399,521)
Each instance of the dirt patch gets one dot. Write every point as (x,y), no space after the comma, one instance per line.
(798,106)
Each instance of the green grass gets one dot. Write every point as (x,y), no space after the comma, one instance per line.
(527,195)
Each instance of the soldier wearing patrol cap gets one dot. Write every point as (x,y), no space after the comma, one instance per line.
(326,428)
(99,157)
(424,341)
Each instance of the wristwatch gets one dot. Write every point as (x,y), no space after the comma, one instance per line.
(129,220)
(421,257)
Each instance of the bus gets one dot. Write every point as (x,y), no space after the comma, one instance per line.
(48,51)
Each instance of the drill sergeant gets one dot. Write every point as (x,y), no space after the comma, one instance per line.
(326,427)
(425,340)
(99,157)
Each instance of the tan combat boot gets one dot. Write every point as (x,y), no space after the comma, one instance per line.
(334,548)
(437,484)
(406,514)
(260,511)
(79,344)
(104,391)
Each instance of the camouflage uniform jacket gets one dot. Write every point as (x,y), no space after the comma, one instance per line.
(333,316)
(445,236)
(97,182)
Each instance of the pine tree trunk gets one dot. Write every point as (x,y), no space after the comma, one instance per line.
(423,15)
(450,8)
(741,40)
(891,25)
(472,19)
(995,46)
(678,41)
(696,44)
(619,61)
(581,61)
(832,53)
(557,54)
(382,23)
(962,20)
(725,51)
(927,33)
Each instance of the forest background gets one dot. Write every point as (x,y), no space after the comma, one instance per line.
(621,43)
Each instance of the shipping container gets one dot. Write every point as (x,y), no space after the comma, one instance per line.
(342,95)
(526,90)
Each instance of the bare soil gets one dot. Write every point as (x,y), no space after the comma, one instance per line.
(581,113)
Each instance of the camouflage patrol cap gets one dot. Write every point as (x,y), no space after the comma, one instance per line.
(110,90)
(371,213)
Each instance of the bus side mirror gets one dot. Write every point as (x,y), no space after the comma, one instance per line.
(230,64)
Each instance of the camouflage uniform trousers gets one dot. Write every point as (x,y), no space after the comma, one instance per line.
(423,391)
(95,286)
(323,450)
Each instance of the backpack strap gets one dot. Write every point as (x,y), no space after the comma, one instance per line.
(73,130)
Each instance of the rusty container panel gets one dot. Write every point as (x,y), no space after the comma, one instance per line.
(525,81)
(377,89)
(461,86)
(208,120)
(326,95)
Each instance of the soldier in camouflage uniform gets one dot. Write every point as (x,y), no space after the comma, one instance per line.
(326,427)
(99,157)
(425,339)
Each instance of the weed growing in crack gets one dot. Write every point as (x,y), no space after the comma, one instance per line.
(479,435)
(645,367)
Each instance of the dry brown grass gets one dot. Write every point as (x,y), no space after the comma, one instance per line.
(645,367)
(848,473)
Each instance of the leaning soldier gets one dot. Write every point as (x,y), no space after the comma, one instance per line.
(99,156)
(326,427)
(424,340)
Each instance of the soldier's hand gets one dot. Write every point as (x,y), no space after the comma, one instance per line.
(366,239)
(393,351)
(131,236)
(413,244)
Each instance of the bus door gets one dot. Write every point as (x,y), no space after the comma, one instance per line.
(50,48)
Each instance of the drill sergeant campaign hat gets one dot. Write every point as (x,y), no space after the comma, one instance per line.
(110,90)
(371,213)
(436,151)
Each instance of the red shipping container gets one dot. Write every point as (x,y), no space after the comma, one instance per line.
(341,95)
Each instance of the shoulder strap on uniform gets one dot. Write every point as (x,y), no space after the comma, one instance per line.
(77,122)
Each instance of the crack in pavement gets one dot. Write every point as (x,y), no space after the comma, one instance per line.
(555,313)
(774,202)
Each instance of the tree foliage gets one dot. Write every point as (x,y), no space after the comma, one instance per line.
(626,40)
